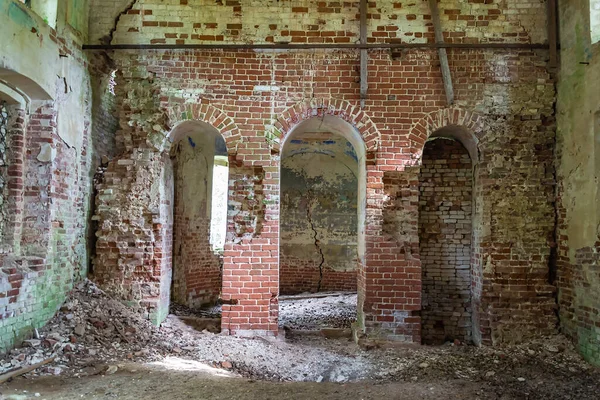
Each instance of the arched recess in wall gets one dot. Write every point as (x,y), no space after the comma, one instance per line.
(452,281)
(322,206)
(200,187)
(17,91)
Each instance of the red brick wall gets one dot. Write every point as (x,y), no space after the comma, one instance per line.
(445,193)
(299,275)
(504,97)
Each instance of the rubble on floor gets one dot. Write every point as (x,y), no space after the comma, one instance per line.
(313,312)
(94,334)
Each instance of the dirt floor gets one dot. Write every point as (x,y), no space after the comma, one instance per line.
(104,350)
(135,382)
(176,378)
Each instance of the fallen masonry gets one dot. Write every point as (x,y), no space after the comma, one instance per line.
(94,334)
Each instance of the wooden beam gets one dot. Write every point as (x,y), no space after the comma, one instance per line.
(439,38)
(363,53)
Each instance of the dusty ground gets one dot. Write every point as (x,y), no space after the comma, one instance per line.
(104,350)
(151,383)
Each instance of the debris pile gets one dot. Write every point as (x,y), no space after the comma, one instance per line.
(90,328)
(92,333)
(313,312)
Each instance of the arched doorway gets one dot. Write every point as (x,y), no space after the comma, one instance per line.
(200,171)
(322,208)
(445,235)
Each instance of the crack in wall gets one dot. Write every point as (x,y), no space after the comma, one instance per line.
(315,237)
(109,38)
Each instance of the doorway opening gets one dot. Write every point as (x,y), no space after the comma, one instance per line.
(321,225)
(200,170)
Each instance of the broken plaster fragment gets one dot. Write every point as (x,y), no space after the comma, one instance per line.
(47,153)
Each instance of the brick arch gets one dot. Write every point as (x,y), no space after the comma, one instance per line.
(426,126)
(209,114)
(343,109)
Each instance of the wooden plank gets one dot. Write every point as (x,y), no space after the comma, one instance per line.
(364,86)
(439,38)
(23,370)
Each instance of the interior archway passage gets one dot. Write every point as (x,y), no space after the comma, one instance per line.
(319,195)
(319,215)
(445,227)
(199,158)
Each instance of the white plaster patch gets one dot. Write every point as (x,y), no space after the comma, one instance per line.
(266,88)
(190,95)
(47,153)
(72,104)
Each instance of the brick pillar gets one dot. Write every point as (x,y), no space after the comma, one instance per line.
(392,274)
(250,266)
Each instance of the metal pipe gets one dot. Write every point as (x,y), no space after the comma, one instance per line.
(316,46)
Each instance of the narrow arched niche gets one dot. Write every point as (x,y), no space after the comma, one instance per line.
(200,165)
(445,235)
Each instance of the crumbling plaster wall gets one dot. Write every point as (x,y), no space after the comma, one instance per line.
(579,176)
(44,247)
(254,98)
(319,196)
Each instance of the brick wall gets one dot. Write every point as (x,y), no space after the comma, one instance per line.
(4,164)
(264,21)
(505,98)
(47,193)
(445,192)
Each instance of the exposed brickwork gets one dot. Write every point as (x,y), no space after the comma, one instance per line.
(299,275)
(43,249)
(4,164)
(268,21)
(445,192)
(503,97)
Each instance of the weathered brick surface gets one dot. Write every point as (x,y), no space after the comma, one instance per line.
(268,21)
(445,193)
(504,98)
(43,248)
